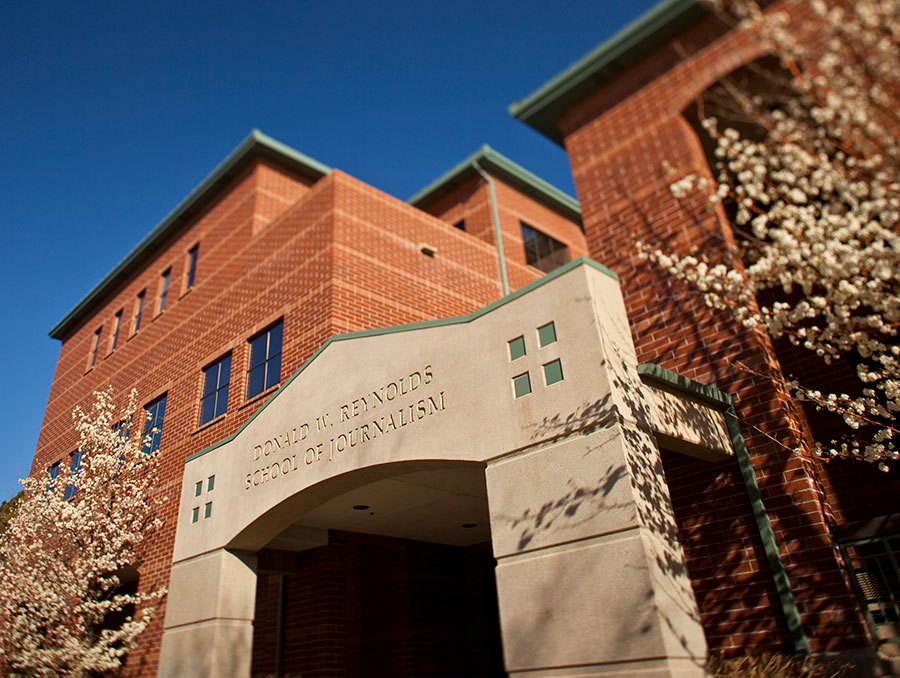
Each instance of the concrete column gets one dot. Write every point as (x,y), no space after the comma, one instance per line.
(209,616)
(590,578)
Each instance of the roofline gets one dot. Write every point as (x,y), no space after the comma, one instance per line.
(255,145)
(655,27)
(504,168)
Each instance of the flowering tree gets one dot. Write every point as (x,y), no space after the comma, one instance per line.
(63,610)
(810,180)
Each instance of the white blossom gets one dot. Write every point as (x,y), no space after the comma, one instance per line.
(816,198)
(62,554)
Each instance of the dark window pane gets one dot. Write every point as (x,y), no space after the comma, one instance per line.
(258,351)
(256,380)
(273,371)
(207,409)
(221,401)
(192,266)
(210,379)
(275,340)
(542,251)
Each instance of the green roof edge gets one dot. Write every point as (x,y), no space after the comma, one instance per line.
(424,324)
(489,159)
(256,143)
(650,30)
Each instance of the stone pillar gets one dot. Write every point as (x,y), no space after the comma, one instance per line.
(209,616)
(590,578)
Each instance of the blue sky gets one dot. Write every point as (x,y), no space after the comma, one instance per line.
(112,112)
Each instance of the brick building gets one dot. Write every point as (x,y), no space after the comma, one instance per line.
(261,296)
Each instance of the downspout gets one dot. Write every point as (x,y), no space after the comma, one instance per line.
(496,218)
(725,404)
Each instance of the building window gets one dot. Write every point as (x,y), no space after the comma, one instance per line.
(542,251)
(53,474)
(461,225)
(138,310)
(94,348)
(164,289)
(874,562)
(191,268)
(74,470)
(214,401)
(264,368)
(154,424)
(114,337)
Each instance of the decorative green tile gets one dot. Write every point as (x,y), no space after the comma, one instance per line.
(546,334)
(198,488)
(553,372)
(210,483)
(207,510)
(516,348)
(195,515)
(522,385)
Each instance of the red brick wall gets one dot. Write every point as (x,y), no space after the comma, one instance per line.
(618,139)
(335,257)
(472,201)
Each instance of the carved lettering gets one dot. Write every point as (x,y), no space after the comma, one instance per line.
(404,411)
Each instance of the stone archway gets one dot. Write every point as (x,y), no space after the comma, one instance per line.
(542,390)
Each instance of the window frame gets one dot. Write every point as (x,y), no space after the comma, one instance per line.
(156,411)
(95,348)
(117,327)
(190,268)
(72,479)
(138,310)
(268,381)
(542,251)
(165,279)
(218,392)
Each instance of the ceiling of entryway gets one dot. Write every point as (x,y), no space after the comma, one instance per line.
(445,506)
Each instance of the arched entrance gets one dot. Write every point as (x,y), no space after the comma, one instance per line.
(403,584)
(527,419)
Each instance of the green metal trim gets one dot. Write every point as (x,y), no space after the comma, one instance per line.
(424,324)
(256,144)
(722,401)
(495,217)
(705,392)
(510,172)
(654,28)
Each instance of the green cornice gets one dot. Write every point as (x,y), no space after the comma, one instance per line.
(708,393)
(655,27)
(505,170)
(441,322)
(256,145)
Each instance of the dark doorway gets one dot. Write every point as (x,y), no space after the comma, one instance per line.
(367,605)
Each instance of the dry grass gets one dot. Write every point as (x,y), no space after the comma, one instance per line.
(769,665)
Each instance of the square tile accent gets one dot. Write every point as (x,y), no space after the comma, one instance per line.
(516,348)
(553,372)
(546,334)
(195,515)
(207,510)
(522,385)
(210,483)
(198,488)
